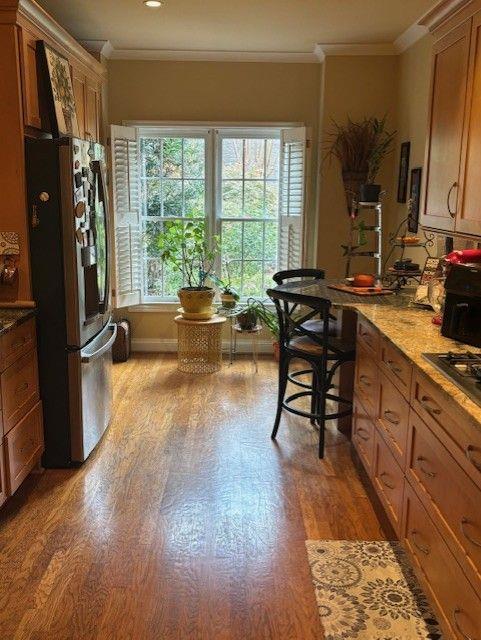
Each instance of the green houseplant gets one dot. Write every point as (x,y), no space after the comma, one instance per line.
(257,310)
(360,148)
(228,295)
(183,245)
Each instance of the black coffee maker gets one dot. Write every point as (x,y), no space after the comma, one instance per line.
(462,313)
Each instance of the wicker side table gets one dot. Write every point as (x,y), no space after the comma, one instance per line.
(199,344)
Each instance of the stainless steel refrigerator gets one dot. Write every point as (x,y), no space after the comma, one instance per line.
(69,247)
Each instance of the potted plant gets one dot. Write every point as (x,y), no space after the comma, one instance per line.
(184,246)
(228,295)
(360,148)
(257,310)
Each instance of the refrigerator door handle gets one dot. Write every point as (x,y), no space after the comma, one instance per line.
(86,356)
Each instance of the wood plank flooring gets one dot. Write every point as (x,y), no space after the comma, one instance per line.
(186,523)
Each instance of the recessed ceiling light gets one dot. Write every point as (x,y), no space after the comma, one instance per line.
(153,4)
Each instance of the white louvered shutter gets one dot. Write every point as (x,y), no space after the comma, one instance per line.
(292,198)
(127,238)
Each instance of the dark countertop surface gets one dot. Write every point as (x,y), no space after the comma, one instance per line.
(12,317)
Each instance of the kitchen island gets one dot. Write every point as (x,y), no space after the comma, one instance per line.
(418,437)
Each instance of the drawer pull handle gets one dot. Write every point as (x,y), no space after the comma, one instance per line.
(361,430)
(430,474)
(465,522)
(365,380)
(392,417)
(384,474)
(469,454)
(22,387)
(422,547)
(456,613)
(434,411)
(394,368)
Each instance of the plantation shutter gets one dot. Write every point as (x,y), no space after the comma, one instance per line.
(127,239)
(292,198)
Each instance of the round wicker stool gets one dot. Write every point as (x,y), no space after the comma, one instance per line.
(199,344)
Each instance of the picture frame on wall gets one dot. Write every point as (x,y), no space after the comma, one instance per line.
(59,91)
(415,199)
(403,172)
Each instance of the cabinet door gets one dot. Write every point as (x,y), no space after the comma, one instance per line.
(469,215)
(78,84)
(31,103)
(448,101)
(92,110)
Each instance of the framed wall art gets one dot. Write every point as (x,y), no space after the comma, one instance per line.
(59,90)
(403,172)
(415,199)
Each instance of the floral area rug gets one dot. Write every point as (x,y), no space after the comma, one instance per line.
(368,591)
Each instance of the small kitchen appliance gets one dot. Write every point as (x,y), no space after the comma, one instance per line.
(462,312)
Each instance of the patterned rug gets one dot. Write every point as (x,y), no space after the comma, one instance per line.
(368,591)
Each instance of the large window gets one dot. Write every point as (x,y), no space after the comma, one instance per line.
(230,178)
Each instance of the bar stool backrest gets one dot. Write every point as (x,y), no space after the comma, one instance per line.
(293,311)
(296,274)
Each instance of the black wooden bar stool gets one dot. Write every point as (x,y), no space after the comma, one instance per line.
(324,353)
(315,324)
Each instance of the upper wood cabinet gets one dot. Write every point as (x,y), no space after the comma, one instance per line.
(31,102)
(92,110)
(452,200)
(446,124)
(469,214)
(78,84)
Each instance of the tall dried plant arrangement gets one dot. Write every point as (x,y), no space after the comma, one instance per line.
(360,148)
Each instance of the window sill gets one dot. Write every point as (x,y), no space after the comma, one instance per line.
(155,307)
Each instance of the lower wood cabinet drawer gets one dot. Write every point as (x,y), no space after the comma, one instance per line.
(363,431)
(23,445)
(393,418)
(388,481)
(367,381)
(449,495)
(396,366)
(3,479)
(368,336)
(16,343)
(449,589)
(455,429)
(19,385)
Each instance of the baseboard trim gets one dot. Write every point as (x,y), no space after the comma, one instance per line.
(169,345)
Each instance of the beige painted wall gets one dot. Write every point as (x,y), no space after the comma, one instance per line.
(412,109)
(354,86)
(220,92)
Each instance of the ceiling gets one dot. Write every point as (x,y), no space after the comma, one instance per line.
(237,25)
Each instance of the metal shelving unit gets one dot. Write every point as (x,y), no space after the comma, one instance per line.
(352,251)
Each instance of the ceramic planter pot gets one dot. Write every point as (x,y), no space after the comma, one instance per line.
(370,192)
(197,301)
(247,320)
(228,300)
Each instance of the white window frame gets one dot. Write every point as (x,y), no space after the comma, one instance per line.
(213,133)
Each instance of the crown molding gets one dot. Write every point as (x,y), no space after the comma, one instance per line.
(98,48)
(210,56)
(412,34)
(443,10)
(33,12)
(351,49)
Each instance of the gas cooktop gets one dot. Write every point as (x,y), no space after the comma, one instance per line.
(464,369)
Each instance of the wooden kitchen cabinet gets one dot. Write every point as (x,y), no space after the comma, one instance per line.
(469,214)
(92,110)
(3,482)
(78,85)
(446,126)
(31,101)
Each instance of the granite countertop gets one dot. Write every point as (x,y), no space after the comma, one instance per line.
(12,317)
(410,329)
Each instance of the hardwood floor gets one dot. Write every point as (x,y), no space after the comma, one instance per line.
(186,523)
